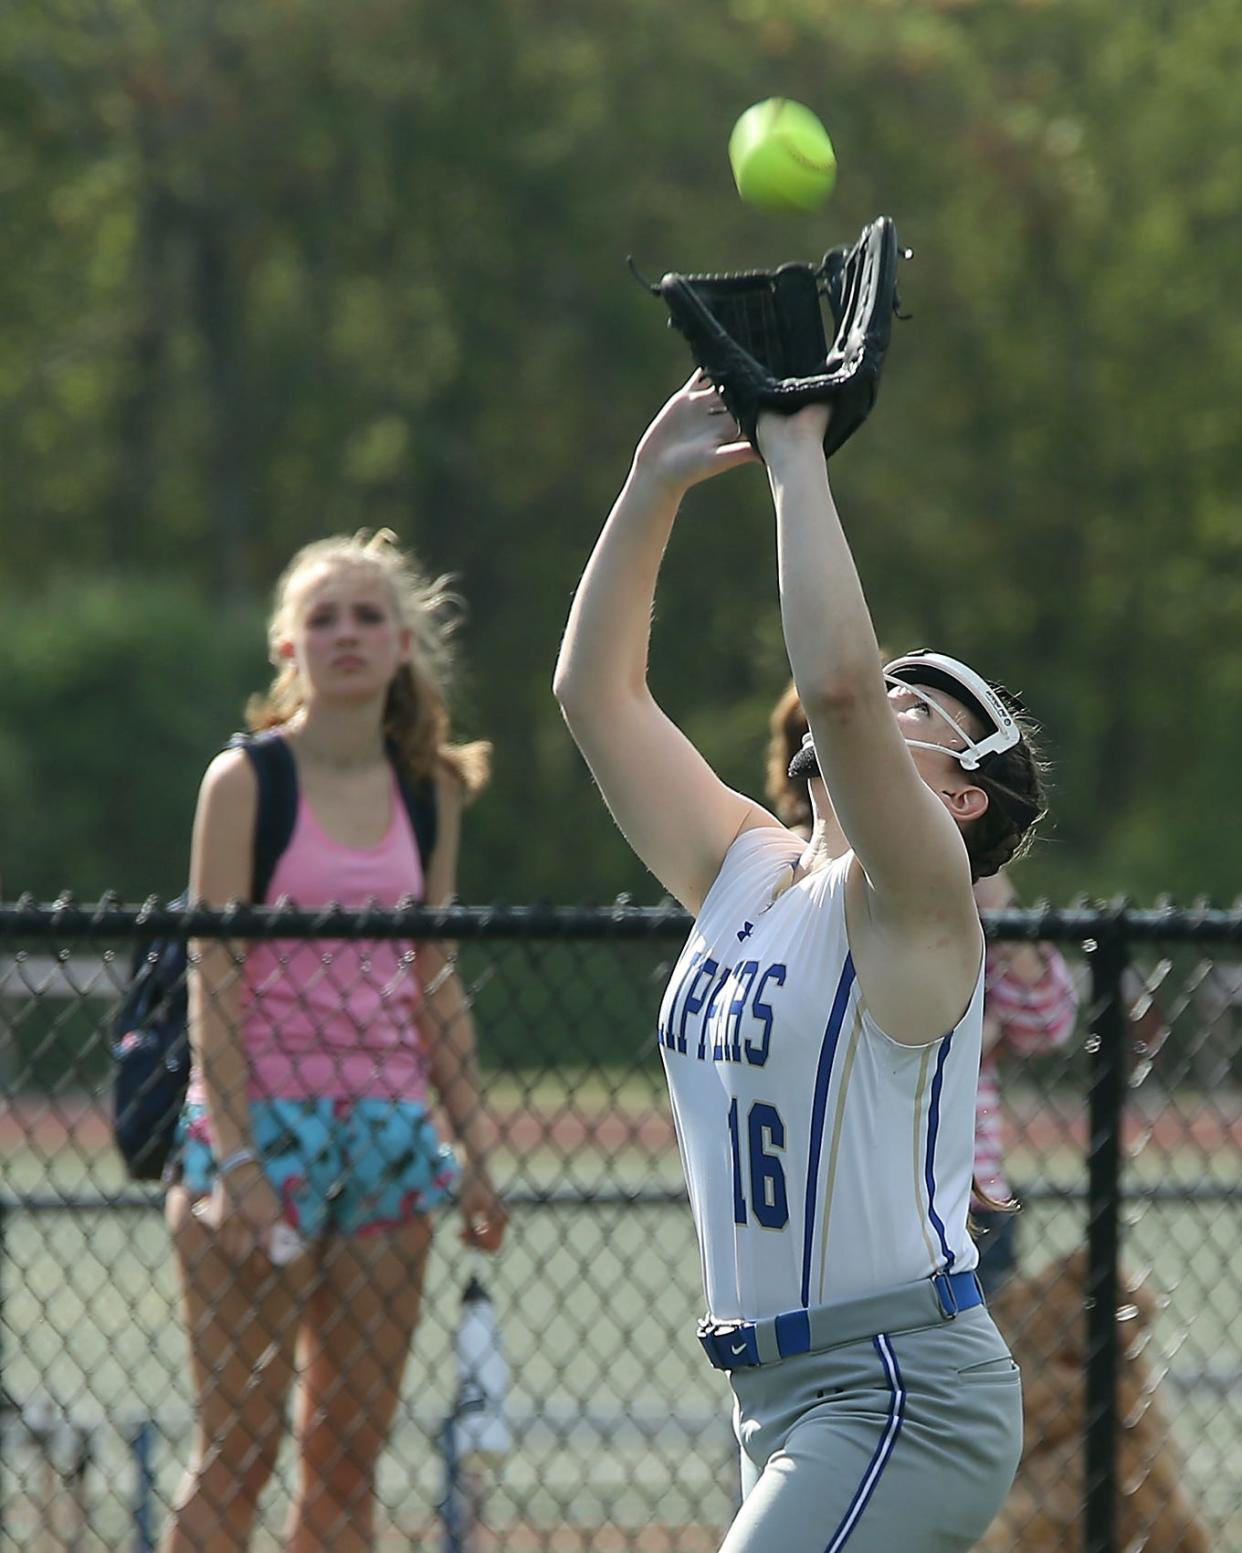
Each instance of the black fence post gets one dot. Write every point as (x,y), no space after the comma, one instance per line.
(1107,957)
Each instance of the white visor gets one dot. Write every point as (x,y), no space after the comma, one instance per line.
(920,671)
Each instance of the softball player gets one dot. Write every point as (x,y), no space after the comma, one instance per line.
(821,1031)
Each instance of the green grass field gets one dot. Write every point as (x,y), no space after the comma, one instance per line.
(620,1427)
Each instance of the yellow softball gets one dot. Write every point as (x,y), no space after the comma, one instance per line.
(781,156)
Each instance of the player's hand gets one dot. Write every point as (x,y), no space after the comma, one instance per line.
(242,1210)
(805,428)
(483,1215)
(692,438)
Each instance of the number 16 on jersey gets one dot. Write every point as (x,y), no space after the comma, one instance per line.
(755,1147)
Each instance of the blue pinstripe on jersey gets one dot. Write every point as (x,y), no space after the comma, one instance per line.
(823,1076)
(929,1167)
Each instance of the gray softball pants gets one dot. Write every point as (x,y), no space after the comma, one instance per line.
(899,1442)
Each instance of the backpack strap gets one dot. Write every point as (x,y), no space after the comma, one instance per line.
(277,775)
(277,809)
(420,805)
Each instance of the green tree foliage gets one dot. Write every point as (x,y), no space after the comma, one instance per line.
(116,692)
(273,271)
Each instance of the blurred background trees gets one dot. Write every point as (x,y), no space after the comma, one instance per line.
(268,272)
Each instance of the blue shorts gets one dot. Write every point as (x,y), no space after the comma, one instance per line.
(350,1167)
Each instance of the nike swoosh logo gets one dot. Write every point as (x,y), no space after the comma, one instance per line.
(737,1348)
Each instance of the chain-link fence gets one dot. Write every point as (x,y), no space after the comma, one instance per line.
(599,1425)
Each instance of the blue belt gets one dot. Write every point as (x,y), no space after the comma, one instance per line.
(737,1345)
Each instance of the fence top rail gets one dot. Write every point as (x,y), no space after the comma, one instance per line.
(66,920)
(520,1194)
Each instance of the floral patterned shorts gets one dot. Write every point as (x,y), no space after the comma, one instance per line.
(350,1167)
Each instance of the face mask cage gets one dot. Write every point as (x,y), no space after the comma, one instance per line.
(918,672)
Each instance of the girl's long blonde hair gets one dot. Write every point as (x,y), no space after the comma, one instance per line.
(416,720)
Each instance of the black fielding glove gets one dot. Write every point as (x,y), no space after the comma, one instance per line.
(759,335)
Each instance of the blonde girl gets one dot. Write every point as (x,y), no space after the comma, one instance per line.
(307,1164)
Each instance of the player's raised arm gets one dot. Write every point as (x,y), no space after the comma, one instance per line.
(929,779)
(674,811)
(822,1025)
(903,833)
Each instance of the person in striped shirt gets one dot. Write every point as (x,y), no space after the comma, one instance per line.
(1030,1008)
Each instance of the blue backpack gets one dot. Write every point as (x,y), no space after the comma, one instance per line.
(150,1039)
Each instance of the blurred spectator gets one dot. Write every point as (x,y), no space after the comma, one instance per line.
(1030,1008)
(307,1165)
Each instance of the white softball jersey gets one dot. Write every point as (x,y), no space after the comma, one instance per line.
(823,1159)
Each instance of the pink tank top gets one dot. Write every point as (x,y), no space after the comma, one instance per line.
(336,1018)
